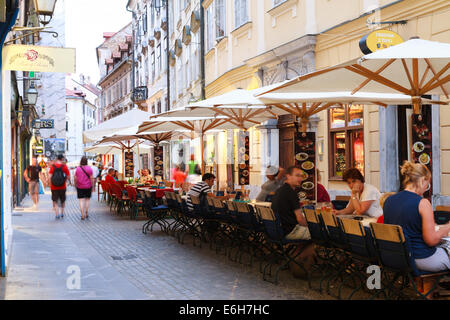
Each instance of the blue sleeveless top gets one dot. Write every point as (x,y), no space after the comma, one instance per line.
(403,209)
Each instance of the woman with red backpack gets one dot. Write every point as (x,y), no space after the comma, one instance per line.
(85,184)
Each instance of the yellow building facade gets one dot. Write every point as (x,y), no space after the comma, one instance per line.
(253,43)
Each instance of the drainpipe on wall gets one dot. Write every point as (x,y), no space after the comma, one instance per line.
(168,56)
(202,48)
(133,57)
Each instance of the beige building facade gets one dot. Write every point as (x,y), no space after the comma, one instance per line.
(253,43)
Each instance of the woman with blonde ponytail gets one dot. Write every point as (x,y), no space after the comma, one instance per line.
(414,214)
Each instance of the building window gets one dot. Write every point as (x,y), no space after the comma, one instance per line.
(153,67)
(209,28)
(67,125)
(240,12)
(158,58)
(159,106)
(277,2)
(346,134)
(220,18)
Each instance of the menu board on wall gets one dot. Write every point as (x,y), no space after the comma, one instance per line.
(129,165)
(244,158)
(422,148)
(159,161)
(305,158)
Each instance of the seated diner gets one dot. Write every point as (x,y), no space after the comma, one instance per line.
(414,214)
(365,198)
(203,189)
(275,179)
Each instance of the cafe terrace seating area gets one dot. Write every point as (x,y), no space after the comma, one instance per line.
(349,249)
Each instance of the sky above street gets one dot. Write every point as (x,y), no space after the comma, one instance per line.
(86,20)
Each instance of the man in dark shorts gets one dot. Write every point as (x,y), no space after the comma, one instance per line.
(286,204)
(32,174)
(59,175)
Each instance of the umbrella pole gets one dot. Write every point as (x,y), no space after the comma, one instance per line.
(202,147)
(123,163)
(139,157)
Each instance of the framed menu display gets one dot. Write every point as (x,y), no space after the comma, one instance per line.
(421,140)
(305,158)
(244,158)
(158,161)
(129,165)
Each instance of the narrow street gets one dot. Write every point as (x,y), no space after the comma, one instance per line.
(118,261)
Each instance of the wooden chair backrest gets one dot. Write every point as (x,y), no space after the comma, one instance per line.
(343,198)
(210,201)
(217,203)
(265,213)
(353,227)
(231,205)
(178,198)
(242,207)
(387,232)
(329,219)
(311,216)
(195,200)
(443,208)
(148,194)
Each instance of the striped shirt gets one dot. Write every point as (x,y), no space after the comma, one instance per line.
(199,188)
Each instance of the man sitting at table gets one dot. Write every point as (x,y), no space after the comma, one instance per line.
(110,176)
(286,205)
(203,188)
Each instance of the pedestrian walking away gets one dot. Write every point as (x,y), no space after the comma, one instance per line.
(32,174)
(95,174)
(85,184)
(59,175)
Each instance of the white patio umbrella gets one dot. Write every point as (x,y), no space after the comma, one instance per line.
(306,104)
(200,125)
(124,121)
(414,68)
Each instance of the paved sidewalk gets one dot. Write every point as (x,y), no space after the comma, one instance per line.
(118,261)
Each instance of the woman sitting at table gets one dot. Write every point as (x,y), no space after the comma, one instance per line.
(414,214)
(146,177)
(365,197)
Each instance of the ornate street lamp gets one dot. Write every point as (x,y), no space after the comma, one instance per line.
(45,9)
(32,95)
(158,5)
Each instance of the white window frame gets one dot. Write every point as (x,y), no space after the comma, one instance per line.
(241,16)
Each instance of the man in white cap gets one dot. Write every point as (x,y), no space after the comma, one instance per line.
(275,179)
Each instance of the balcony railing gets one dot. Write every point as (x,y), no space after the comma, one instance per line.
(140,94)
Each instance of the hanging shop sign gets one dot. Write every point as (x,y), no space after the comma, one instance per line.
(305,158)
(41,59)
(129,165)
(244,158)
(378,40)
(422,149)
(158,160)
(43,124)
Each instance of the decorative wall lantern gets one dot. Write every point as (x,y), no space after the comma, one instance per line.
(195,21)
(44,9)
(187,35)
(178,47)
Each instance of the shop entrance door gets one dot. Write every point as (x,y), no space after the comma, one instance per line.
(287,132)
(404,133)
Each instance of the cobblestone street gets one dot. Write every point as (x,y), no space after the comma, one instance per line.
(118,261)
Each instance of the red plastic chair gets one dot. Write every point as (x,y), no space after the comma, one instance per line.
(135,203)
(120,201)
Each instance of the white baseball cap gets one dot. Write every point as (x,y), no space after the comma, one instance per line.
(271,170)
